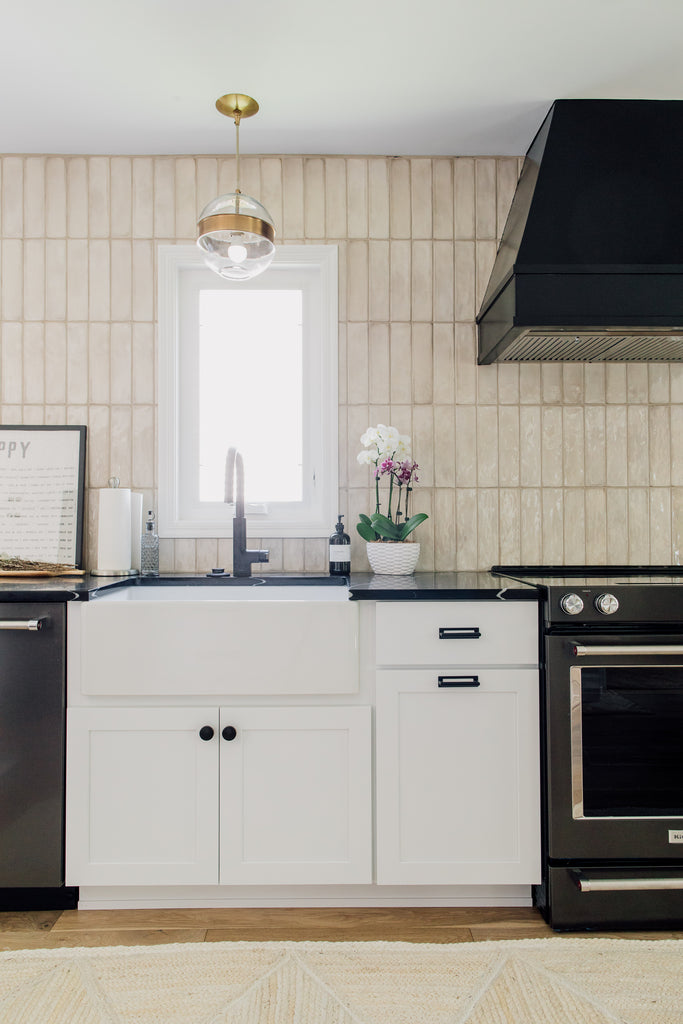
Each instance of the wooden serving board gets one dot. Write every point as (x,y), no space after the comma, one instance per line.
(40,572)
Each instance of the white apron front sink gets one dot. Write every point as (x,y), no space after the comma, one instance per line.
(190,640)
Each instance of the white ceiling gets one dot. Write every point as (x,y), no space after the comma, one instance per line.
(363,76)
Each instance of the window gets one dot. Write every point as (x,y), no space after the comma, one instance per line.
(249,364)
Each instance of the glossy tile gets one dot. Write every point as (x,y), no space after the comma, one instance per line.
(121,183)
(519,461)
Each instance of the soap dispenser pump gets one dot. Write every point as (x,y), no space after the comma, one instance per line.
(340,550)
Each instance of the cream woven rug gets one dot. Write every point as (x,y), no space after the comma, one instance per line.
(529,981)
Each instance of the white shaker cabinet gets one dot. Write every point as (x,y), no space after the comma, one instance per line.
(142,796)
(198,795)
(220,781)
(457,744)
(296,795)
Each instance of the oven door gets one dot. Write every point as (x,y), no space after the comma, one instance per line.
(614,730)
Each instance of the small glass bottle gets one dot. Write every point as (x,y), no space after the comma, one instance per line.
(149,548)
(340,551)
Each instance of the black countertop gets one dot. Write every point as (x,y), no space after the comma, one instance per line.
(84,588)
(55,588)
(439,586)
(422,586)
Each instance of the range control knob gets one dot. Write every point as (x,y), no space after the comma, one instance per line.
(571,604)
(607,604)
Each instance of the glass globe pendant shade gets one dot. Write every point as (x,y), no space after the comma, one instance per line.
(236,236)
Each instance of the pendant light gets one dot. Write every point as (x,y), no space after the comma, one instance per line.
(235,231)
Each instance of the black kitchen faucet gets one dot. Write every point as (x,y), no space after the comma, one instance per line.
(242,557)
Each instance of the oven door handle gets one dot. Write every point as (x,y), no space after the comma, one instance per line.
(586,650)
(585,883)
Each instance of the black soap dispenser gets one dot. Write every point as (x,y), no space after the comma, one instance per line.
(340,551)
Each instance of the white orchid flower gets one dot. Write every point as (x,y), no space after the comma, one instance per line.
(383,442)
(386,441)
(389,434)
(369,437)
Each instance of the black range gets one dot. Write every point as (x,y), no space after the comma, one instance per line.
(612,731)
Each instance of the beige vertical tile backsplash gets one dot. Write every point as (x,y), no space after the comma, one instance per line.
(554,462)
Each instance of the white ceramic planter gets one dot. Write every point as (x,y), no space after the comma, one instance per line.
(393,559)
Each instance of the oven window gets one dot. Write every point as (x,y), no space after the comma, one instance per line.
(632,741)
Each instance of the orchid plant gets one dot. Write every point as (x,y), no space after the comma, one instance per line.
(389,452)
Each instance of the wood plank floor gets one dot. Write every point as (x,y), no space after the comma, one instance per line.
(68,928)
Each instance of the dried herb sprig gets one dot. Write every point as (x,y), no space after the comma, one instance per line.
(8,563)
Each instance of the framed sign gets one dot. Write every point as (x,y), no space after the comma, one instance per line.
(42,484)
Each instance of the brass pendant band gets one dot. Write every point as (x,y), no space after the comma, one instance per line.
(236,222)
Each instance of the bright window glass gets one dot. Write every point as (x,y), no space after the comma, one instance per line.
(240,331)
(250,365)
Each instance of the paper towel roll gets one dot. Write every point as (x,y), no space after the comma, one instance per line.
(135,529)
(113,530)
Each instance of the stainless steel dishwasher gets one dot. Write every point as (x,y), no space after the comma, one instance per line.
(32,754)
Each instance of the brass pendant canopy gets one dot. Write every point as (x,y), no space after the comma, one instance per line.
(236,232)
(236,103)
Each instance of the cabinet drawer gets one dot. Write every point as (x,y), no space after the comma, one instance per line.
(457,633)
(458,778)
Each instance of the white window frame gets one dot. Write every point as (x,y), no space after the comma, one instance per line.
(315,268)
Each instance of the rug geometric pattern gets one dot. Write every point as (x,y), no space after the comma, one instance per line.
(525,981)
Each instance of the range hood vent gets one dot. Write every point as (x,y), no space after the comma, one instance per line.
(590,264)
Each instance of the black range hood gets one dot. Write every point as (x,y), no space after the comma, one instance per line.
(590,264)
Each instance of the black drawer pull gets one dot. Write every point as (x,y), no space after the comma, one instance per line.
(458,680)
(459,632)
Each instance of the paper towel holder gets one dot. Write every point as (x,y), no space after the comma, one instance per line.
(113,482)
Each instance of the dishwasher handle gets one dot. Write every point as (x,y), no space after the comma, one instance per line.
(24,624)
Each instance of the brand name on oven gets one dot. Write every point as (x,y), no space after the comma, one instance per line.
(675,835)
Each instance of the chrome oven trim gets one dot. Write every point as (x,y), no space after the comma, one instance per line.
(585,883)
(586,650)
(576,741)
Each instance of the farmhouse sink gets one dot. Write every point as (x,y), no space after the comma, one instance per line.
(180,592)
(223,579)
(231,588)
(177,636)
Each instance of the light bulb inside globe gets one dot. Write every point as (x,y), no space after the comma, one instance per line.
(237,253)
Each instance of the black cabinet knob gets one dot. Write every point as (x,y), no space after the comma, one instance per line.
(229,732)
(206,732)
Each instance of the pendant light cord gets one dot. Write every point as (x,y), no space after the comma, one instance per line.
(238,115)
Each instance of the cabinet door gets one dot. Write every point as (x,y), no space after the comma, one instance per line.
(142,796)
(296,795)
(458,777)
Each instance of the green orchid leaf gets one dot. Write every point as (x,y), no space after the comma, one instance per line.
(414,521)
(379,527)
(366,531)
(385,528)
